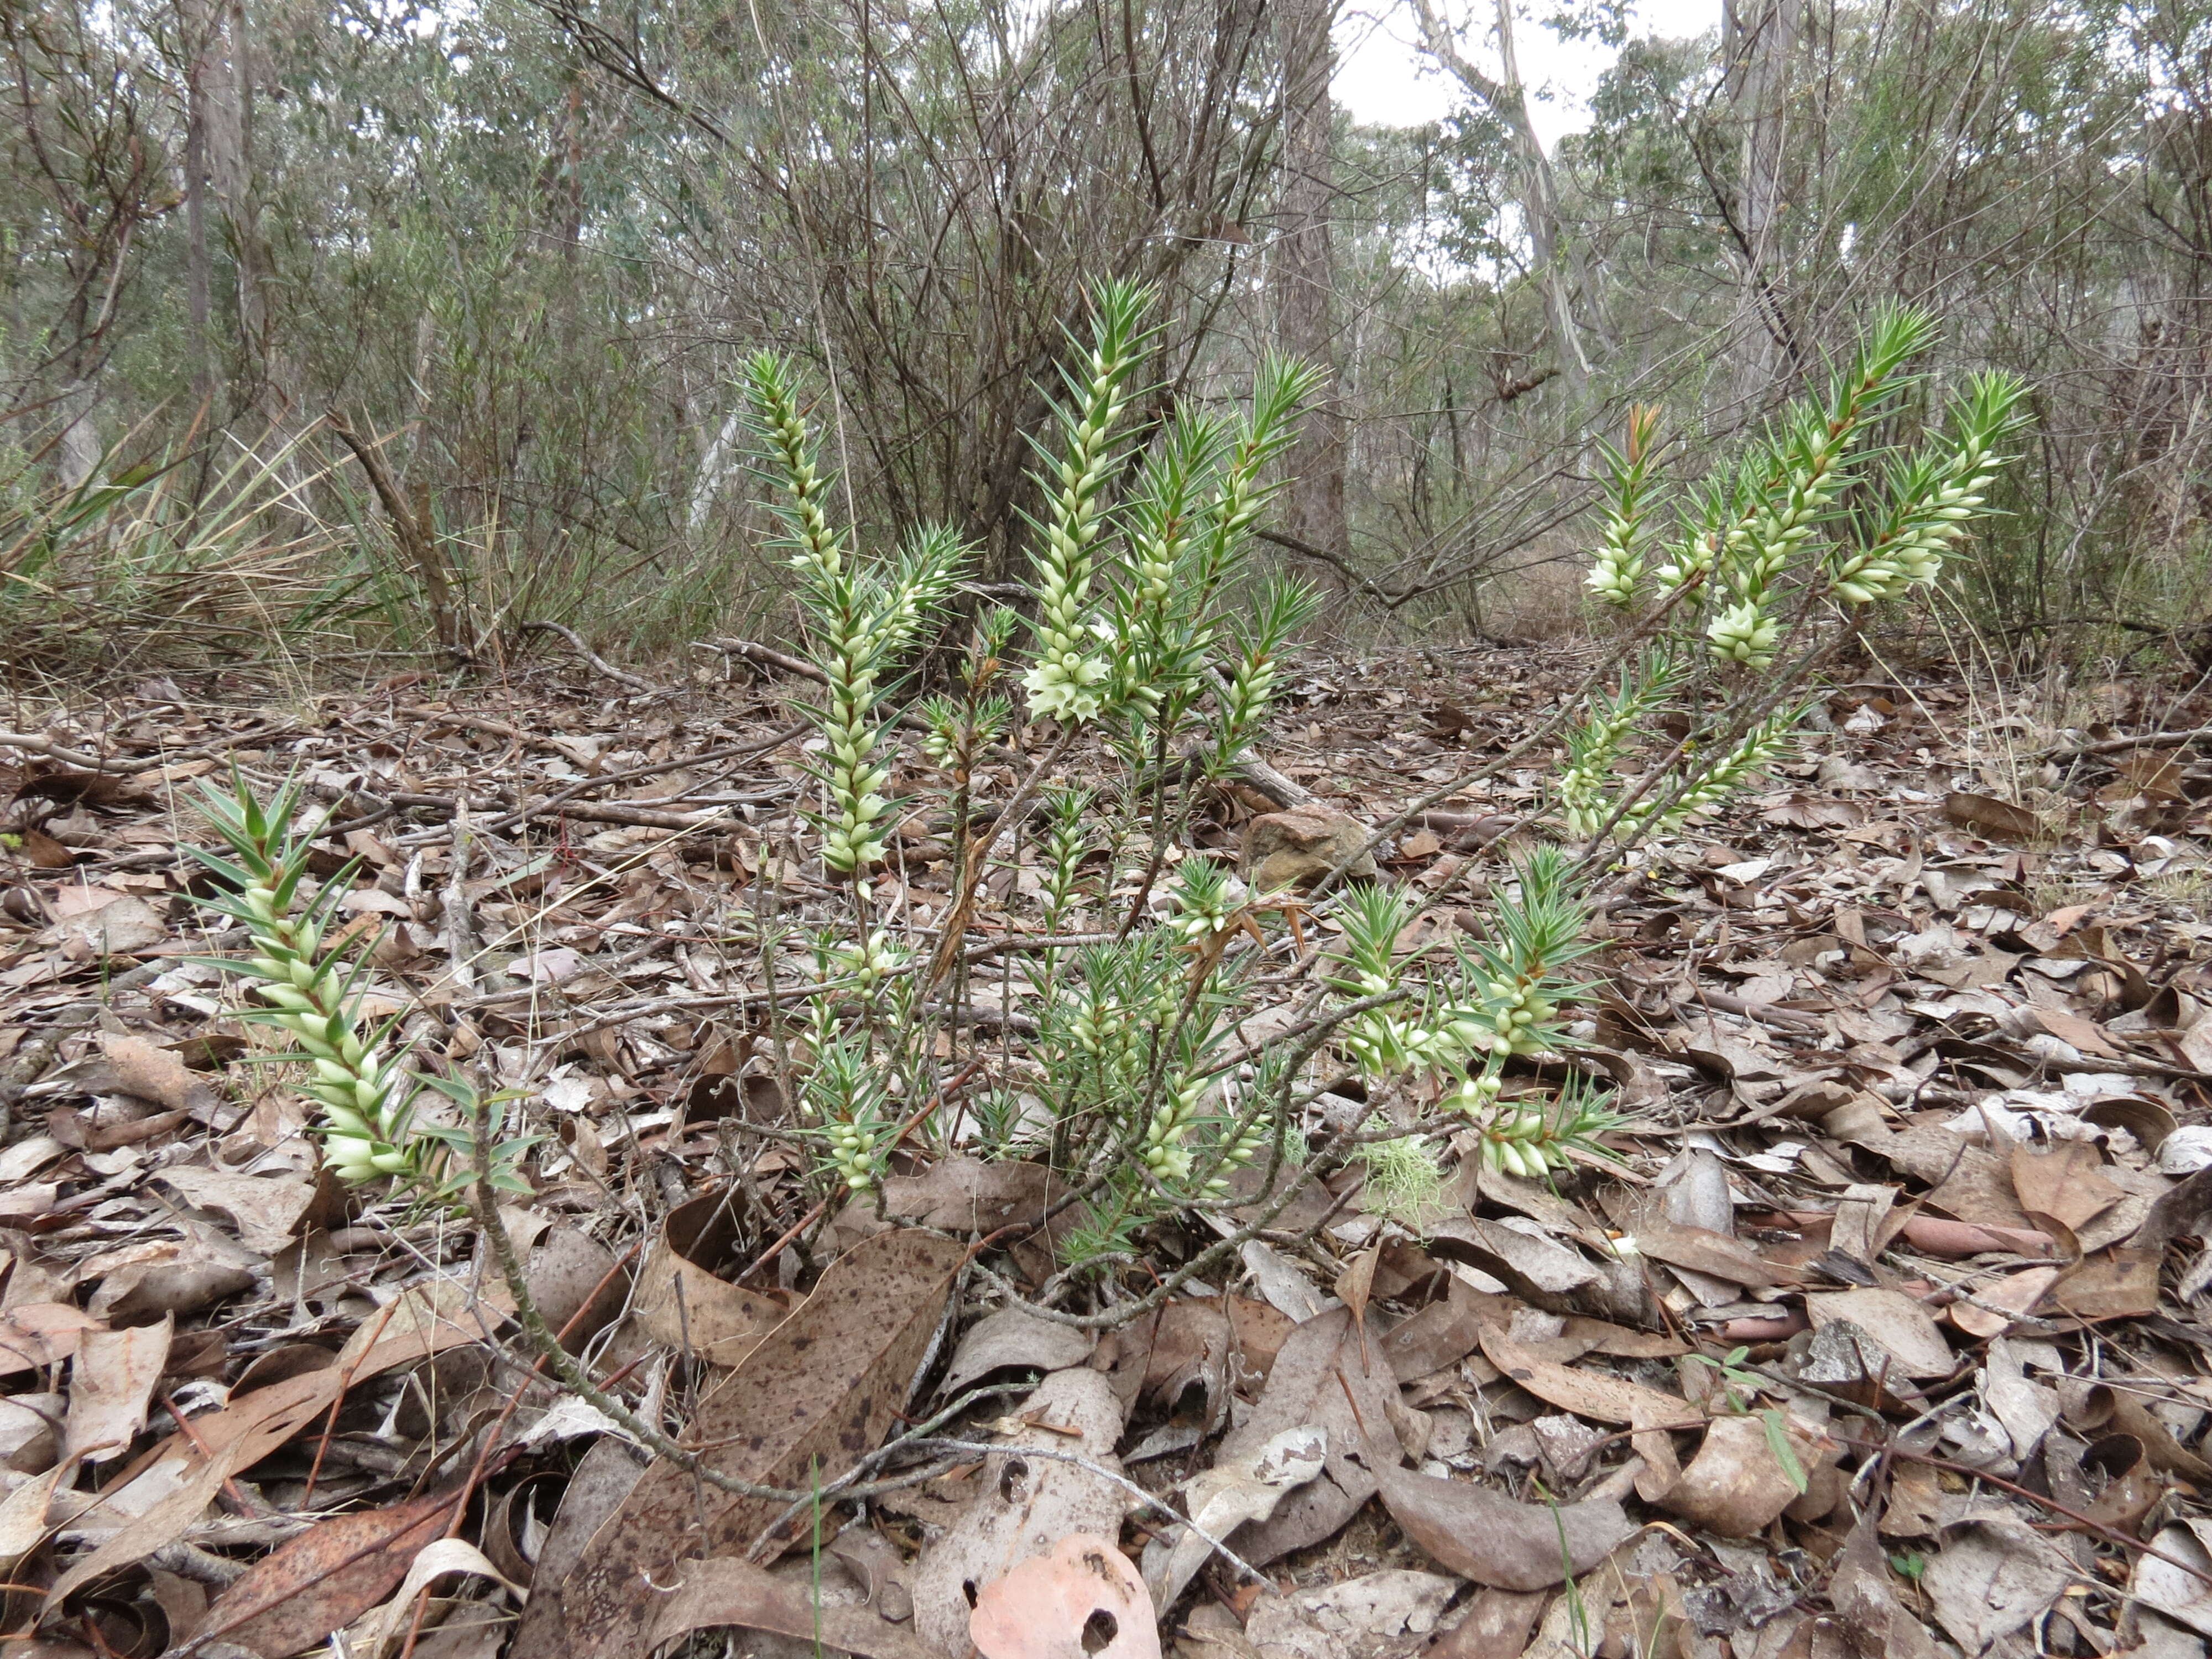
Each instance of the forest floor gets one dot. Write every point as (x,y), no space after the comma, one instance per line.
(1889,1330)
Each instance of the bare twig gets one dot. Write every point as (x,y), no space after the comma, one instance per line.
(621,677)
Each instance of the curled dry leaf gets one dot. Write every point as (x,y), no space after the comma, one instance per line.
(1084,1600)
(1735,1485)
(1023,1503)
(1224,1498)
(1014,1338)
(110,1380)
(1489,1538)
(683,1306)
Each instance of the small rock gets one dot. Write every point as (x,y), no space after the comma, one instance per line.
(1297,847)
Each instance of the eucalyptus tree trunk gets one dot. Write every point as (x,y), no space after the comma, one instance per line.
(200,266)
(1302,275)
(1556,261)
(1759,38)
(226,99)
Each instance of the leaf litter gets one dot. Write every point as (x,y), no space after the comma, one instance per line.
(1889,1332)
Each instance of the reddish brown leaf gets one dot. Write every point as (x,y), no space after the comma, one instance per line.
(2065,1184)
(325,1578)
(813,1395)
(722,1593)
(1998,819)
(45,852)
(1485,1536)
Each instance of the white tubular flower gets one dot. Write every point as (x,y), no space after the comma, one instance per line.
(1065,684)
(1614,576)
(1744,634)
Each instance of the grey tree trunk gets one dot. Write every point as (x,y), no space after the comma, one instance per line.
(78,456)
(1302,275)
(200,266)
(1758,38)
(1556,259)
(228,101)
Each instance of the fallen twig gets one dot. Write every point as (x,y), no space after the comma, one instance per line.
(576,642)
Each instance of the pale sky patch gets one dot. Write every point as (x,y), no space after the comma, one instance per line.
(1383,80)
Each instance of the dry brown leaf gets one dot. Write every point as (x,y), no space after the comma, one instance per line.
(963,1195)
(164,1276)
(1221,1499)
(1702,1251)
(576,1282)
(2063,1184)
(1355,1283)
(1084,1600)
(153,1072)
(1014,1338)
(1373,1615)
(1498,1626)
(2166,1580)
(809,1399)
(1023,1503)
(184,1493)
(2000,820)
(102,921)
(1865,1598)
(45,852)
(1219,1347)
(1537,1268)
(2112,1284)
(724,1593)
(23,1524)
(1303,1390)
(1992,1575)
(110,1381)
(265,1210)
(2074,1030)
(1996,1307)
(1735,1486)
(1903,1326)
(1487,1537)
(683,1305)
(1442,1334)
(325,1578)
(1606,1399)
(36,1334)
